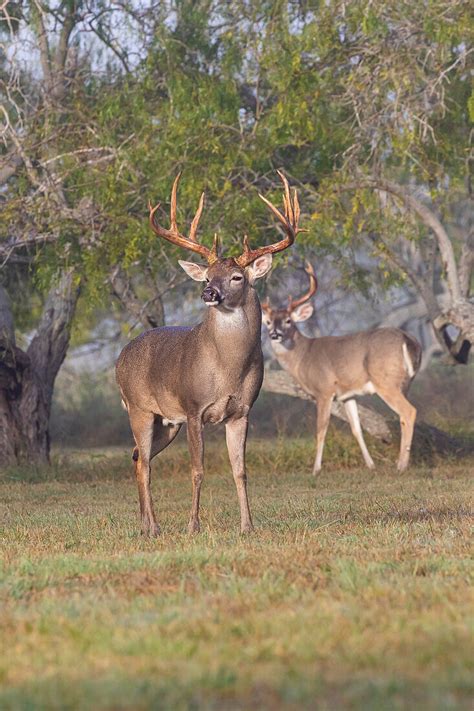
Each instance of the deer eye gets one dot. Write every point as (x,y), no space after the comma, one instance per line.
(236,277)
(288,321)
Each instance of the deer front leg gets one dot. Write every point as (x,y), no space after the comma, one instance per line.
(142,427)
(196,451)
(322,422)
(236,438)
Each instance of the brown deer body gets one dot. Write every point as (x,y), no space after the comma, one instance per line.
(380,361)
(207,374)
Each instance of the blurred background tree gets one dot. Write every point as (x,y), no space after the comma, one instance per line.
(365,106)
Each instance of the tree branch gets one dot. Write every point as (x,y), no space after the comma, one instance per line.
(466,265)
(427,217)
(45,56)
(149,314)
(280,382)
(7,329)
(9,165)
(49,345)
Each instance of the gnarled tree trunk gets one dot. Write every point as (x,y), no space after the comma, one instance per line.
(27,377)
(280,382)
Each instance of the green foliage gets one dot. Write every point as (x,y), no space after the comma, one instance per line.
(326,92)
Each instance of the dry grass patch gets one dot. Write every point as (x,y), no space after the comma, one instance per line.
(355,591)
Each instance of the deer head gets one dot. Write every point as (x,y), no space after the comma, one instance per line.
(281,322)
(227,279)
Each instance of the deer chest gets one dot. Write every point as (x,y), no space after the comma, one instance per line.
(226,408)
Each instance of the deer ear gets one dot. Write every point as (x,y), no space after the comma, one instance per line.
(198,272)
(259,267)
(302,313)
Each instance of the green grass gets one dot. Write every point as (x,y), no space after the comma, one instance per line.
(354,592)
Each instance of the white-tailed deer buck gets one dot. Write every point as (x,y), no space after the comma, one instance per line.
(381,361)
(207,374)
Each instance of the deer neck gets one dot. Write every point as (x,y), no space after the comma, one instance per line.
(235,333)
(290,353)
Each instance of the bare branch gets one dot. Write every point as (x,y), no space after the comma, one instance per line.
(9,166)
(466,265)
(150,313)
(428,218)
(280,382)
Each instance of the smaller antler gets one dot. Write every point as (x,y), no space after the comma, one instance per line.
(173,235)
(313,285)
(265,305)
(289,221)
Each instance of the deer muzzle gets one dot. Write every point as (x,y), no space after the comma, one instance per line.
(211,296)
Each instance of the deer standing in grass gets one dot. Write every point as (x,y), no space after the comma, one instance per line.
(211,373)
(381,361)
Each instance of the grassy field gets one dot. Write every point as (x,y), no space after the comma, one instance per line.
(352,594)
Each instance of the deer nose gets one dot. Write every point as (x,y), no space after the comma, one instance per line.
(211,295)
(274,335)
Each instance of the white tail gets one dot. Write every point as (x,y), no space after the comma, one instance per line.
(407,361)
(380,361)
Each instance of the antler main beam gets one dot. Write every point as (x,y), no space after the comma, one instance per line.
(174,236)
(289,220)
(313,285)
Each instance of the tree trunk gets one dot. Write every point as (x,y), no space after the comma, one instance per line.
(459,310)
(27,378)
(278,381)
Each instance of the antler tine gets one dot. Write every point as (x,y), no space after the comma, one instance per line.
(266,305)
(174,236)
(196,218)
(287,198)
(174,191)
(296,207)
(289,221)
(313,285)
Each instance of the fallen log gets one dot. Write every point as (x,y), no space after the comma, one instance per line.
(281,383)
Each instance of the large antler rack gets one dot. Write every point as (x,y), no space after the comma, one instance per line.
(289,220)
(173,235)
(313,285)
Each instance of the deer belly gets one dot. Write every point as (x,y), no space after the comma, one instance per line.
(174,421)
(226,408)
(170,410)
(367,388)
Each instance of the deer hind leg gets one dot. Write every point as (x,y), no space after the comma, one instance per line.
(322,422)
(196,451)
(236,438)
(407,414)
(163,435)
(352,413)
(142,424)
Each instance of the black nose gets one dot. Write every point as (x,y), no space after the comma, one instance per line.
(210,293)
(274,335)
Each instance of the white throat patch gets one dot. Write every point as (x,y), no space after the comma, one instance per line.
(232,318)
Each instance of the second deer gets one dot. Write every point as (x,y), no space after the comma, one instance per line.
(380,361)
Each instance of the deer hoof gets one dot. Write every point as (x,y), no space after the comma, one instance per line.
(151,529)
(246,529)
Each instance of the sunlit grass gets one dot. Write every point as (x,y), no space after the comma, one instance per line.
(353,593)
